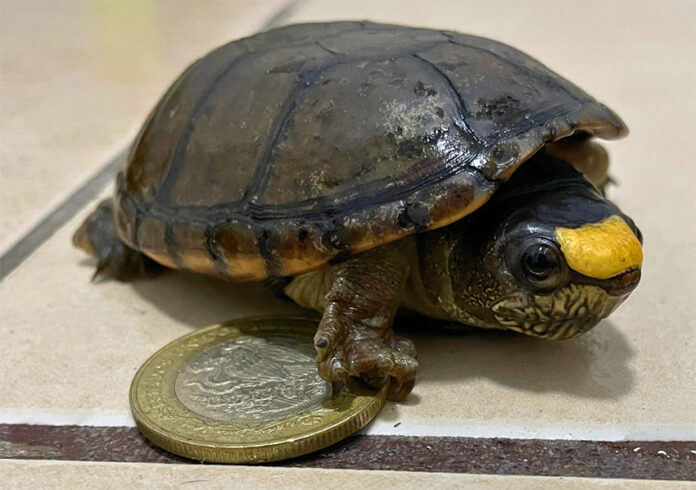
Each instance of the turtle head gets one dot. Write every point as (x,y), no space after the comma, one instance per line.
(548,256)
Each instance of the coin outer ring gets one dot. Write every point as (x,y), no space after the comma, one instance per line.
(162,418)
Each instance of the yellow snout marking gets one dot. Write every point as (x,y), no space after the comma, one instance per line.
(601,250)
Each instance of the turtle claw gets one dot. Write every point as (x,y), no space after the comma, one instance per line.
(102,265)
(338,370)
(370,359)
(399,391)
(404,346)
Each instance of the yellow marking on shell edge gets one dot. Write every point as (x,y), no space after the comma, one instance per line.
(247,268)
(600,250)
(161,257)
(476,203)
(200,263)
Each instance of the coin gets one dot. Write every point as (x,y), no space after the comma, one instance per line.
(246,391)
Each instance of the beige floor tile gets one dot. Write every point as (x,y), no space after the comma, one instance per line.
(74,346)
(78,78)
(35,474)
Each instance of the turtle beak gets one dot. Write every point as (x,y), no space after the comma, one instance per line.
(623,284)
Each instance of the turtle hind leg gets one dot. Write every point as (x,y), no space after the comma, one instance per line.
(97,236)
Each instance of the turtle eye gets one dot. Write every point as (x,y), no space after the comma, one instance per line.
(541,264)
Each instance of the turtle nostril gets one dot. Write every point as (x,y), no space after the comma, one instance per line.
(626,282)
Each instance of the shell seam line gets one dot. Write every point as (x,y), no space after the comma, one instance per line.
(188,214)
(463,105)
(177,159)
(527,69)
(265,165)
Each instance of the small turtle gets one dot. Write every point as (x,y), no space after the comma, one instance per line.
(354,159)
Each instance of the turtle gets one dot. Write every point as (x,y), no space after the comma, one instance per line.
(365,168)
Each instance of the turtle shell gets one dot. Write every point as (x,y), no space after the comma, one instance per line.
(277,154)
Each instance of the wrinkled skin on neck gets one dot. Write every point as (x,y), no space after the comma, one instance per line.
(487,271)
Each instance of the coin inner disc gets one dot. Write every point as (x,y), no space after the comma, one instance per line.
(252,379)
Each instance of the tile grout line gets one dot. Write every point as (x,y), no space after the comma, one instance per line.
(502,456)
(626,432)
(46,227)
(26,245)
(289,8)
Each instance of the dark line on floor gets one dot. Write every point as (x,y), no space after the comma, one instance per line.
(43,230)
(653,460)
(61,215)
(280,15)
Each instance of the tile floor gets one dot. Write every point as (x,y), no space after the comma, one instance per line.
(76,474)
(71,347)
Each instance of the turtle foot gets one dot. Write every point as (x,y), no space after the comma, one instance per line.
(369,355)
(97,236)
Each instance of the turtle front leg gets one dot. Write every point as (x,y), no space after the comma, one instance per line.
(587,156)
(97,236)
(359,299)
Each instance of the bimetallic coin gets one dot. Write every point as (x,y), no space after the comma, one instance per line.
(245,392)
